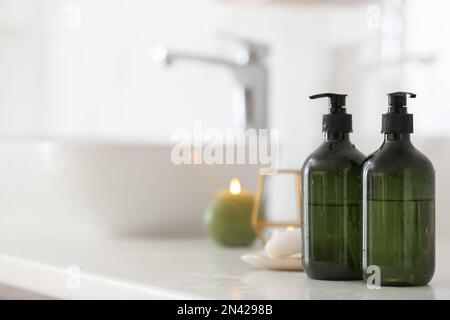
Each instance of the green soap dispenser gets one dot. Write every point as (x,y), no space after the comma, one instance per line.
(398,204)
(332,193)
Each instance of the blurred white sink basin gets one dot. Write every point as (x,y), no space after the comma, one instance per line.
(118,188)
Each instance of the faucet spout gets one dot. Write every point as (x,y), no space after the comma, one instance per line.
(250,77)
(167,58)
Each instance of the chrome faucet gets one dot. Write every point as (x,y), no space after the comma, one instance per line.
(249,69)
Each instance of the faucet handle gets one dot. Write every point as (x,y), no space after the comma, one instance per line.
(249,50)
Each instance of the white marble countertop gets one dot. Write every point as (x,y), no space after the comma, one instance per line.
(174,269)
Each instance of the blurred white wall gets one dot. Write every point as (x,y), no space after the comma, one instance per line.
(22,68)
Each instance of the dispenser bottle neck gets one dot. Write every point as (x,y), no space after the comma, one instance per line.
(397,137)
(336,136)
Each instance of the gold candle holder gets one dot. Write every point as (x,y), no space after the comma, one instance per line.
(259,225)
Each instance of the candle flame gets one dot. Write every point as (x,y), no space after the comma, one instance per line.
(235,186)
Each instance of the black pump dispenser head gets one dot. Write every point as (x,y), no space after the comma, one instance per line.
(338,120)
(397,120)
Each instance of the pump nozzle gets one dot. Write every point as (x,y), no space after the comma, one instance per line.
(338,120)
(398,120)
(399,99)
(335,100)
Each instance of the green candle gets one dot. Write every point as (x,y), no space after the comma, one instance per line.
(228,217)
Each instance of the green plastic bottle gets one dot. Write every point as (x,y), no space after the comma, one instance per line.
(332,194)
(398,204)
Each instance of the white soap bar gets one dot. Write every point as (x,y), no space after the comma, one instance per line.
(284,244)
(261,260)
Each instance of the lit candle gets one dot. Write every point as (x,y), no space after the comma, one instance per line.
(228,217)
